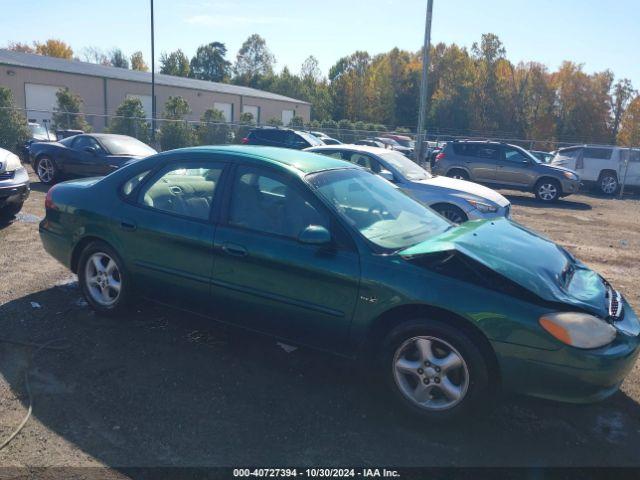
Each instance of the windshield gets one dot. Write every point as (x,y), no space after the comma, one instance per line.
(409,169)
(37,129)
(374,207)
(406,143)
(122,145)
(530,155)
(313,140)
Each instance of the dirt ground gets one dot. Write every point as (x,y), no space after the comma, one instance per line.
(161,388)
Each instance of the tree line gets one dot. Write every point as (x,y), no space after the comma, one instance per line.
(472,92)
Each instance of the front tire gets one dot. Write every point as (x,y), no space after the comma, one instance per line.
(548,190)
(46,170)
(103,279)
(435,371)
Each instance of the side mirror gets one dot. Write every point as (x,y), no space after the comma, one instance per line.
(315,235)
(91,150)
(387,175)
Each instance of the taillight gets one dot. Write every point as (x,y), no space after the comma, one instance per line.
(245,140)
(440,156)
(48,201)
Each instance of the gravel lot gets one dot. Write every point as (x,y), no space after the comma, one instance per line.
(163,388)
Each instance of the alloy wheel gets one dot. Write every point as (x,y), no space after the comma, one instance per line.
(103,279)
(608,185)
(430,373)
(548,192)
(458,176)
(45,170)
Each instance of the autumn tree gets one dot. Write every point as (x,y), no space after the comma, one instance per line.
(67,112)
(623,93)
(175,63)
(95,55)
(209,63)
(254,61)
(20,47)
(54,48)
(138,63)
(629,134)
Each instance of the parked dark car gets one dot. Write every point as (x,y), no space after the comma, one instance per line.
(320,252)
(281,137)
(39,133)
(85,155)
(14,184)
(501,165)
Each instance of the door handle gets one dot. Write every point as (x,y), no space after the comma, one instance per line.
(128,225)
(234,250)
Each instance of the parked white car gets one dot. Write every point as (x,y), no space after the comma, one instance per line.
(606,167)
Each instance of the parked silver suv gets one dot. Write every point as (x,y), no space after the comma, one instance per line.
(500,165)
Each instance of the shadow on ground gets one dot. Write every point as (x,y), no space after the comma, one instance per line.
(160,387)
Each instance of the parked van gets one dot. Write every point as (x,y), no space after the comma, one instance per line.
(605,167)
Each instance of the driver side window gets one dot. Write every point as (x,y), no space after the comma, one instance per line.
(183,189)
(514,156)
(81,143)
(266,202)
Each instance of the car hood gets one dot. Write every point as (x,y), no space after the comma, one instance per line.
(524,257)
(466,187)
(556,168)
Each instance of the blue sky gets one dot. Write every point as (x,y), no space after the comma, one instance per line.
(597,33)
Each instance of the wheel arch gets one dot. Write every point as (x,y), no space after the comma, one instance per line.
(457,167)
(395,316)
(608,170)
(435,206)
(80,246)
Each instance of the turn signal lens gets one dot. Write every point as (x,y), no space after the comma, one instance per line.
(579,330)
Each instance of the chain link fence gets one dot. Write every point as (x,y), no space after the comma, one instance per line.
(174,133)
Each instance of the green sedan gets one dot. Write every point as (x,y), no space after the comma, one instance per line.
(320,252)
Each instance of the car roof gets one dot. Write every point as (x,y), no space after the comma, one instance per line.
(297,161)
(350,147)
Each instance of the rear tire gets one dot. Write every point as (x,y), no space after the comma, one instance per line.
(46,170)
(458,174)
(435,371)
(103,279)
(451,212)
(608,183)
(548,190)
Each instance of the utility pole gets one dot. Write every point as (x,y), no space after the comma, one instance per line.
(422,114)
(153,82)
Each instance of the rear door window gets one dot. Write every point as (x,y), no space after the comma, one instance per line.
(184,189)
(598,153)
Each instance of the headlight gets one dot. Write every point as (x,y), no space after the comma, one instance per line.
(483,207)
(579,330)
(570,176)
(12,164)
